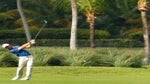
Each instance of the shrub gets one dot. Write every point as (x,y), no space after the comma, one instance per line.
(99,61)
(56,61)
(77,58)
(128,61)
(62,56)
(8,60)
(101,34)
(136,62)
(136,35)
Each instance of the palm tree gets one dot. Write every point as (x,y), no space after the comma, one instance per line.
(144,6)
(25,24)
(67,7)
(74,25)
(90,8)
(119,16)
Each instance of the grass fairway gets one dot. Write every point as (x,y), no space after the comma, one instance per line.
(80,75)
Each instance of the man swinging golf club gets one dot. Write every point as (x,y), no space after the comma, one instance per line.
(25,59)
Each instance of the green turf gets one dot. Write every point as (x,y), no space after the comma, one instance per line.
(80,75)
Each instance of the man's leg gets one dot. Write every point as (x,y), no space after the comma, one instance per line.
(29,68)
(21,65)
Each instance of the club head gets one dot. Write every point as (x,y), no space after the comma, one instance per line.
(45,21)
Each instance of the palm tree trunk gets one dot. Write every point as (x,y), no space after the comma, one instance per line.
(73,37)
(91,20)
(25,24)
(146,37)
(92,33)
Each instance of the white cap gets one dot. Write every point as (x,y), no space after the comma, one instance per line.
(5,45)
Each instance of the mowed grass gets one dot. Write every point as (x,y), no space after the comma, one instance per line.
(80,75)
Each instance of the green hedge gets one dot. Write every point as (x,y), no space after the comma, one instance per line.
(80,42)
(51,33)
(11,34)
(136,35)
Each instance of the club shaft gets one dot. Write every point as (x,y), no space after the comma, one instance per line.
(39,31)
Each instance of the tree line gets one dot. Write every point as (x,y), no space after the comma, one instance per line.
(115,16)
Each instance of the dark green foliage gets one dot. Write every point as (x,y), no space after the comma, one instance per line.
(136,35)
(80,42)
(56,61)
(136,62)
(128,61)
(11,34)
(51,33)
(98,61)
(8,60)
(118,43)
(58,14)
(85,33)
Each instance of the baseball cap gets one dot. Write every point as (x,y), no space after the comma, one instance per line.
(5,45)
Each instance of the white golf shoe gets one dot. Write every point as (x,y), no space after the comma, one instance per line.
(15,78)
(24,78)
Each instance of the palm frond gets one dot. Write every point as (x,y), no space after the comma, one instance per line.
(11,14)
(62,4)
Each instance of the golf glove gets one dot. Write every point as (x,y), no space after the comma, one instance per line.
(32,41)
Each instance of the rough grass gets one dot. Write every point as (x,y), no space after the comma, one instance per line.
(82,56)
(100,56)
(80,75)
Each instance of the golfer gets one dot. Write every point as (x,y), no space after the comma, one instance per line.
(25,59)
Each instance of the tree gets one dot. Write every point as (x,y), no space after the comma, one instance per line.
(25,24)
(90,8)
(67,7)
(144,6)
(74,25)
(119,17)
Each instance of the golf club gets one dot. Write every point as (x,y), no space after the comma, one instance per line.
(45,22)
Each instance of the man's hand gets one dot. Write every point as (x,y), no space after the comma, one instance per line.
(32,41)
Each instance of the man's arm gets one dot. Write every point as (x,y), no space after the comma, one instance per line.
(27,45)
